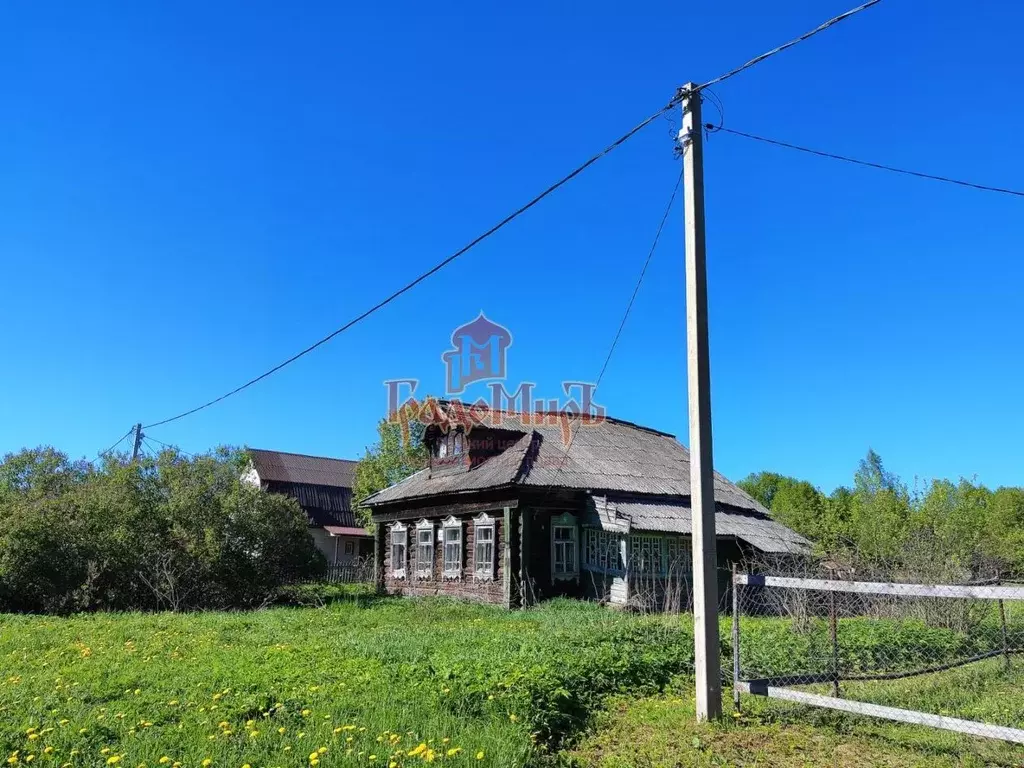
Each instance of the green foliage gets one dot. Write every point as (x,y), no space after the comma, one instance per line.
(170,532)
(951,531)
(392,458)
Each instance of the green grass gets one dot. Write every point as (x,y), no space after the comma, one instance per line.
(662,731)
(351,679)
(366,680)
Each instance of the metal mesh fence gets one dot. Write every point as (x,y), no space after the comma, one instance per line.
(933,654)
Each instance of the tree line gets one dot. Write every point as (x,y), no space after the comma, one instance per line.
(946,529)
(167,532)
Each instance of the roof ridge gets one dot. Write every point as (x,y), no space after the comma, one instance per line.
(543,412)
(302,455)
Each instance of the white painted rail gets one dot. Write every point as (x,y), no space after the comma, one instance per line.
(885,588)
(970,727)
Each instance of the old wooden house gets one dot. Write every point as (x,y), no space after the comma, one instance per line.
(511,512)
(323,488)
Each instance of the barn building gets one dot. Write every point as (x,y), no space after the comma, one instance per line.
(504,513)
(323,488)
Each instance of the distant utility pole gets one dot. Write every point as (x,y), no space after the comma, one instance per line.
(702,495)
(138,442)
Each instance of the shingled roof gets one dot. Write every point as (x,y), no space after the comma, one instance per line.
(607,456)
(281,467)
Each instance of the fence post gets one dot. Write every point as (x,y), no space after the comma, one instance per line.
(735,641)
(833,635)
(1002,624)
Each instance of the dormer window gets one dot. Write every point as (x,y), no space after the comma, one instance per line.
(449,447)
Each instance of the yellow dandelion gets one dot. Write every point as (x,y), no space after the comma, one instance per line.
(207,763)
(306,712)
(113,760)
(164,760)
(480,755)
(418,750)
(454,751)
(282,730)
(47,750)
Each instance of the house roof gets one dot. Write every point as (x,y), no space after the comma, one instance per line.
(753,527)
(611,455)
(282,467)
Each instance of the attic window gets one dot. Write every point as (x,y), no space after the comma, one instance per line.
(449,446)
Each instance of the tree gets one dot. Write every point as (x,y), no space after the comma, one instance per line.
(764,485)
(391,459)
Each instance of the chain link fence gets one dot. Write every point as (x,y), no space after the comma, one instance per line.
(931,654)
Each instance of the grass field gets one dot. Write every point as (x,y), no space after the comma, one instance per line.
(400,683)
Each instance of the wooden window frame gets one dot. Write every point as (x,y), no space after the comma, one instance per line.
(483,570)
(565,521)
(602,551)
(399,528)
(450,570)
(424,526)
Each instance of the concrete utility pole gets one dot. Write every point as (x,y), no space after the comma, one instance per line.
(702,500)
(138,442)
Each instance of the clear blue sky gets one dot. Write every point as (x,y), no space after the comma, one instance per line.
(191,193)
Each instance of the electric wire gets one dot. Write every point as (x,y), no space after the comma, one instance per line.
(436,268)
(515,214)
(866,163)
(104,453)
(796,40)
(625,315)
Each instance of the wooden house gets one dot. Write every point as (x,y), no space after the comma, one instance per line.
(506,513)
(323,488)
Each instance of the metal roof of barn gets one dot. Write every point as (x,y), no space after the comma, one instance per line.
(282,467)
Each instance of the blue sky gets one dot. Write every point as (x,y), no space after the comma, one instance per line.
(191,193)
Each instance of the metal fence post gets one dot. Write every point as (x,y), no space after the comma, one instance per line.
(735,640)
(833,634)
(1002,625)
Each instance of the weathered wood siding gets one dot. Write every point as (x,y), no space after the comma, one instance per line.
(467,585)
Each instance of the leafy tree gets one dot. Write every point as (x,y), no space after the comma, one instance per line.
(764,485)
(391,459)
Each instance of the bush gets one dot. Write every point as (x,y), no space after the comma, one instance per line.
(167,533)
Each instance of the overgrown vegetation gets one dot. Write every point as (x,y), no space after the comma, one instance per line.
(369,680)
(952,531)
(172,532)
(394,457)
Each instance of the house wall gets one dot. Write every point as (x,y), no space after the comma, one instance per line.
(468,585)
(323,542)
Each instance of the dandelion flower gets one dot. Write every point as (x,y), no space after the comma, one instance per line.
(480,755)
(454,751)
(207,763)
(113,760)
(163,760)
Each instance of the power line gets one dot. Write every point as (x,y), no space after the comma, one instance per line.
(625,315)
(408,286)
(820,28)
(867,163)
(171,447)
(101,454)
(515,214)
(639,282)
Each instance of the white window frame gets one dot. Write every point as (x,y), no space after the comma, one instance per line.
(424,566)
(602,551)
(565,521)
(451,569)
(678,554)
(655,546)
(403,531)
(483,568)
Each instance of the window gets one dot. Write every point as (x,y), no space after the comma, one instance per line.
(457,447)
(678,561)
(603,551)
(563,547)
(645,554)
(350,547)
(483,547)
(399,541)
(424,549)
(452,548)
